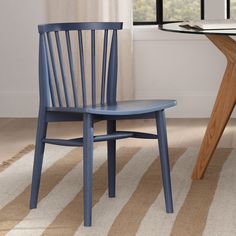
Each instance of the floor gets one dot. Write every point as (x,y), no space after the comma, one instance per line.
(16,133)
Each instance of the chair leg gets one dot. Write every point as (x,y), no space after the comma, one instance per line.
(38,160)
(164,158)
(88,167)
(111,159)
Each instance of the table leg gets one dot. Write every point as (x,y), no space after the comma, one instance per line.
(223,107)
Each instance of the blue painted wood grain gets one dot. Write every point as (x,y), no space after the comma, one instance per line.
(58,86)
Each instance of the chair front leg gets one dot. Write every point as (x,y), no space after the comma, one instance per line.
(87,167)
(111,159)
(38,159)
(164,158)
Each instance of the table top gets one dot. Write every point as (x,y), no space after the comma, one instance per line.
(174,27)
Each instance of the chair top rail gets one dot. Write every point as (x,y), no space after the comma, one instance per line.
(80,26)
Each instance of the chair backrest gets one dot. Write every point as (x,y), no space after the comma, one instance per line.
(63,80)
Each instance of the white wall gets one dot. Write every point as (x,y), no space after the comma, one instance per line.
(188,68)
(185,67)
(19,56)
(166,65)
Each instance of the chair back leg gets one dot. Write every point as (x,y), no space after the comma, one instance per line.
(38,160)
(87,167)
(164,158)
(111,159)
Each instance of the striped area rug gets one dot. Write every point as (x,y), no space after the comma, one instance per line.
(206,207)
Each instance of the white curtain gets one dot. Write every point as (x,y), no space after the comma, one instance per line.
(103,10)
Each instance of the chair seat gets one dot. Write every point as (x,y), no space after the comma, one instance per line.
(133,107)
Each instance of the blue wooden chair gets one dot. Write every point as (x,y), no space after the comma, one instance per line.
(60,101)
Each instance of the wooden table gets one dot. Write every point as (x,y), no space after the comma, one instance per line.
(226,97)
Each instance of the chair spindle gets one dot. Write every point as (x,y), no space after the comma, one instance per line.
(112,71)
(50,82)
(83,83)
(60,56)
(54,69)
(72,73)
(93,70)
(104,67)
